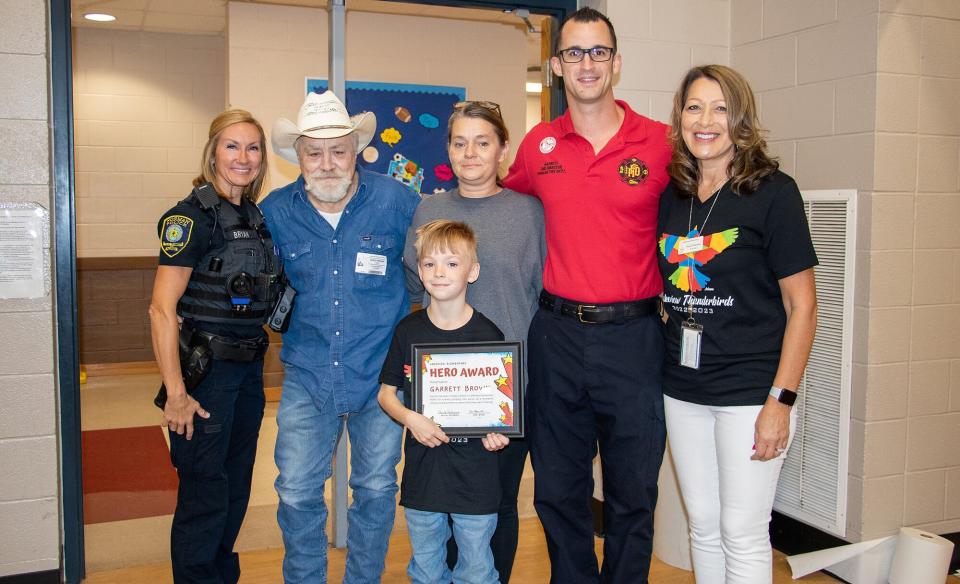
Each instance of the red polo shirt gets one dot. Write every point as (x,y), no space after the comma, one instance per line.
(600,209)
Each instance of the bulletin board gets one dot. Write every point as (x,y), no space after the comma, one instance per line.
(410,144)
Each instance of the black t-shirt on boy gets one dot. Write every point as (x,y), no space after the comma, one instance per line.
(461,476)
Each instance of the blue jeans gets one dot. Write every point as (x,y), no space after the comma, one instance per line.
(429,533)
(307,434)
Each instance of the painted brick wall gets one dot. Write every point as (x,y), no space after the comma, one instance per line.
(856,94)
(29,507)
(142,107)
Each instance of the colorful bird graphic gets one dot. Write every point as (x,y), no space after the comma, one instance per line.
(687,277)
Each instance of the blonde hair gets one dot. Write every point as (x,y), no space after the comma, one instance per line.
(445,235)
(220,123)
(750,163)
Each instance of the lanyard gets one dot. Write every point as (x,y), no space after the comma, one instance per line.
(716,197)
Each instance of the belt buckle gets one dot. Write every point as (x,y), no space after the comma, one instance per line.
(580,308)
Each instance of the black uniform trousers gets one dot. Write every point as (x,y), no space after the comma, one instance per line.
(590,385)
(215,470)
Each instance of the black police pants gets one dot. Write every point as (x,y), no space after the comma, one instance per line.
(590,385)
(215,470)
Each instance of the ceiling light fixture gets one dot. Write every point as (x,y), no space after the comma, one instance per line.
(100,17)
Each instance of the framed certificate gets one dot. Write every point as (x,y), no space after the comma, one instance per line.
(471,389)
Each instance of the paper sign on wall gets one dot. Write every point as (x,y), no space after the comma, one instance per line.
(24,241)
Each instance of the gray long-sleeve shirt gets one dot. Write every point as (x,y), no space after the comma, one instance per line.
(511,248)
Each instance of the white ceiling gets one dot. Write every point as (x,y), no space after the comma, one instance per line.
(209,16)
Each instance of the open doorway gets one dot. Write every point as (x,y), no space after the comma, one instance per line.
(143,94)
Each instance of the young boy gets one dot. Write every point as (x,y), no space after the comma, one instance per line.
(445,480)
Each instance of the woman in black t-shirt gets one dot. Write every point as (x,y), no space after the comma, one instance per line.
(737,264)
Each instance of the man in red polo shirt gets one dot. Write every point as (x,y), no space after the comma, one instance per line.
(595,345)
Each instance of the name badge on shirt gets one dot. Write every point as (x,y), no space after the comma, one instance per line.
(371,263)
(690,336)
(691,245)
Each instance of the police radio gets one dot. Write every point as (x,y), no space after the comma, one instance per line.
(280,317)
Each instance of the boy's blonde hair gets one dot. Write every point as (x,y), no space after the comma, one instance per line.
(445,235)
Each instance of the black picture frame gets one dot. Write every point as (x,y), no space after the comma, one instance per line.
(479,377)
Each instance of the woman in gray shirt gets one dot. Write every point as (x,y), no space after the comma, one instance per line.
(511,249)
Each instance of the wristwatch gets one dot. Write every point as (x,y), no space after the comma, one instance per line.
(783,395)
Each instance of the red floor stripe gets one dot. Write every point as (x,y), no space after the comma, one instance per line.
(127,474)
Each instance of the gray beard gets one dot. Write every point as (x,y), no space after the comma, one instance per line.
(332,194)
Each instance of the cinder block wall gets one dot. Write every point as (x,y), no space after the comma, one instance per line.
(142,108)
(272,48)
(856,94)
(114,294)
(29,504)
(143,104)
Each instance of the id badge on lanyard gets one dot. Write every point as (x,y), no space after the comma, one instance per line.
(691,334)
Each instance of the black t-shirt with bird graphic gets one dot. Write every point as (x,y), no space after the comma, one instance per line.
(729,283)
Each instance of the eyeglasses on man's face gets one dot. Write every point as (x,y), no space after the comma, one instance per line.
(598,54)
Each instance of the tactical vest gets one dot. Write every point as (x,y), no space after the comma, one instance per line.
(247,248)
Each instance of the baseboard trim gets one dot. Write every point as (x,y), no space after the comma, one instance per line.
(596,508)
(795,537)
(272,393)
(140,367)
(129,368)
(46,577)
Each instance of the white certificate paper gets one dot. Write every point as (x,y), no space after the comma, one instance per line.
(23,230)
(469,392)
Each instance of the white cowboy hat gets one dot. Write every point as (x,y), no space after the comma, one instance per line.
(322,115)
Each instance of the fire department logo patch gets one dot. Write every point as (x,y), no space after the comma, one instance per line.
(548,144)
(633,171)
(175,234)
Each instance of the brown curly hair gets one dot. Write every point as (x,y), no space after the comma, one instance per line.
(751,163)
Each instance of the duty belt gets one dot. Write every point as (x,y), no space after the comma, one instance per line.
(600,313)
(239,350)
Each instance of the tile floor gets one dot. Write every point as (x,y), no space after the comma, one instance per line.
(138,533)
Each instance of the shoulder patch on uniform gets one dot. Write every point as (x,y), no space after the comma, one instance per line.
(175,234)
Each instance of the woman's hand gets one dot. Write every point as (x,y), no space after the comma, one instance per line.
(178,413)
(425,430)
(494,441)
(771,431)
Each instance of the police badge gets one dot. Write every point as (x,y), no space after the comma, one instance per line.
(175,234)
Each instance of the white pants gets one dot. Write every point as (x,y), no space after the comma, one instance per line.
(728,496)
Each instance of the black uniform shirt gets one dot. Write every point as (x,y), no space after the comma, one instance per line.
(187,233)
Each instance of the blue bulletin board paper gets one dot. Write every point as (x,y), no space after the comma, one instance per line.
(410,143)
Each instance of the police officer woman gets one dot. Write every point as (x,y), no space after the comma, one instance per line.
(215,284)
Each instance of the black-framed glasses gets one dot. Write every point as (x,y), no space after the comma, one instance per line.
(489,105)
(598,54)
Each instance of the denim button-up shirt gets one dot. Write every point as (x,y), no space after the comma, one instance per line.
(342,320)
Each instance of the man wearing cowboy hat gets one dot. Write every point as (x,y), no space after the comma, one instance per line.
(340,230)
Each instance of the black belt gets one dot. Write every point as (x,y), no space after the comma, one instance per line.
(600,313)
(239,350)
